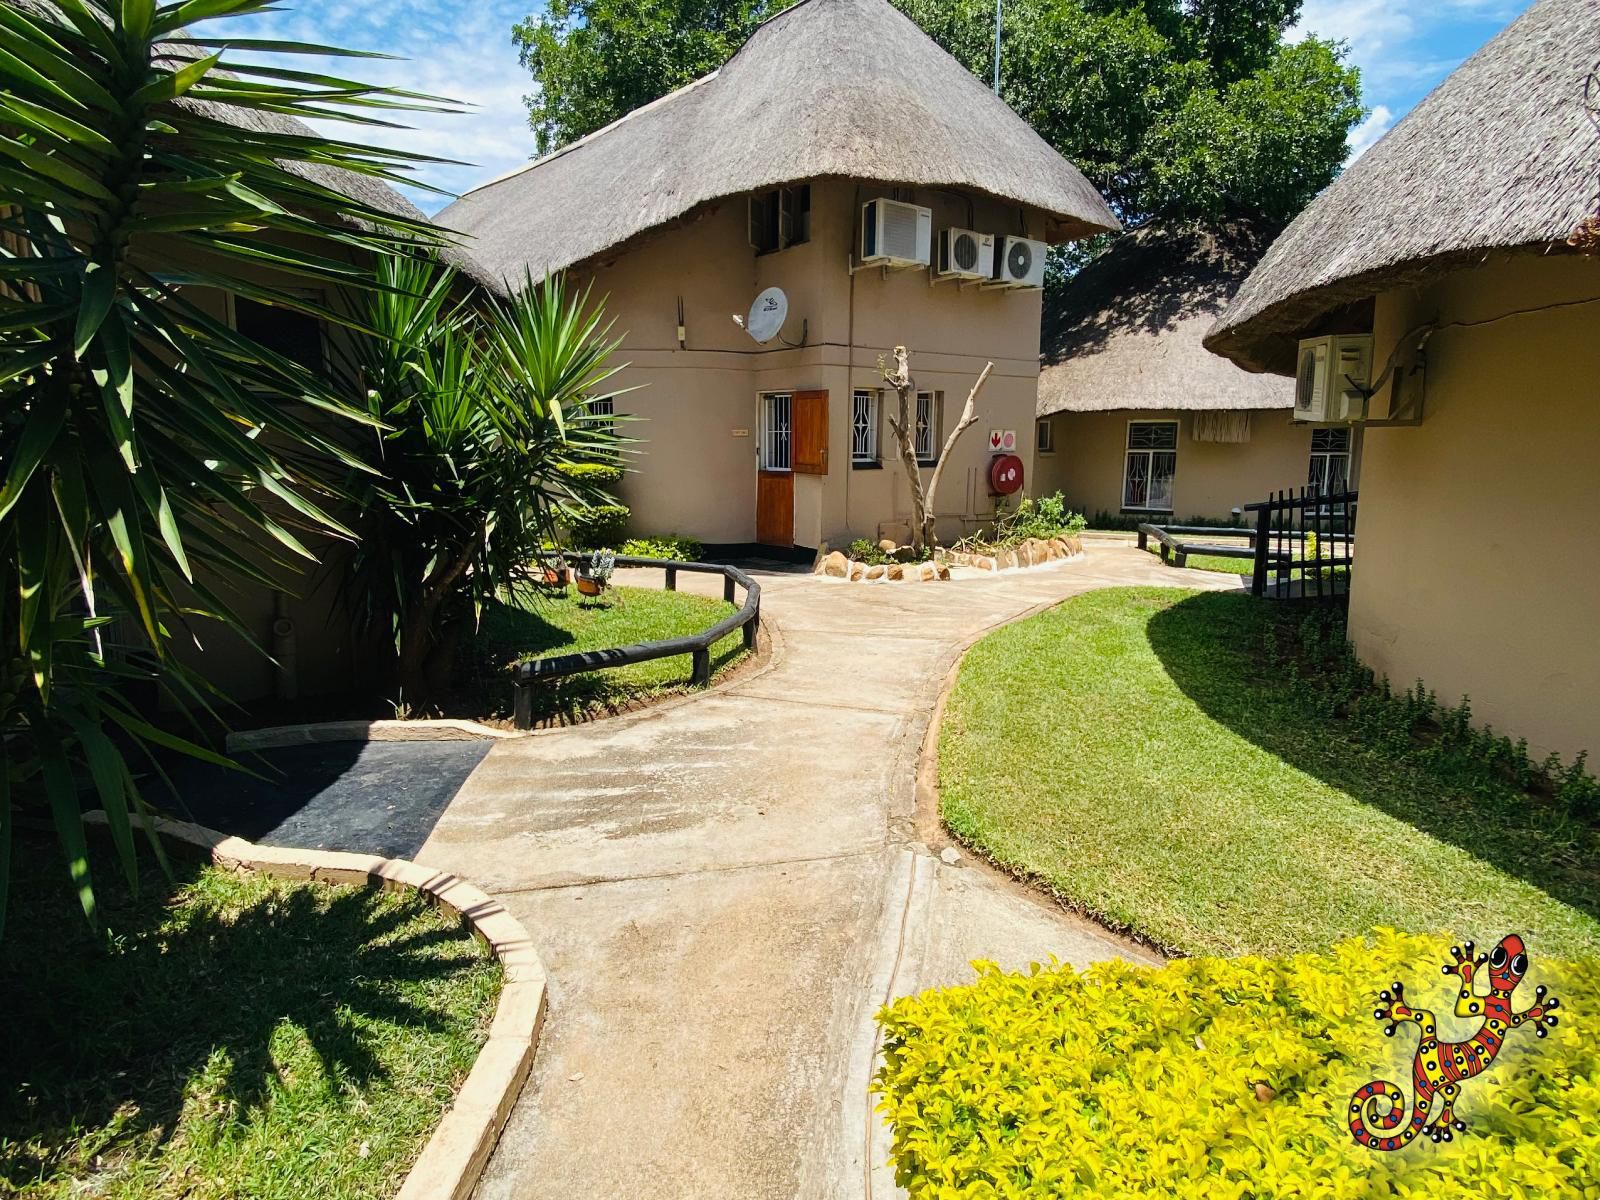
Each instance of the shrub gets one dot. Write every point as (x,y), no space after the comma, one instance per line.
(592,526)
(864,551)
(1044,518)
(601,475)
(667,545)
(1221,1077)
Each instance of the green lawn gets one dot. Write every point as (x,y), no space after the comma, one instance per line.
(227,1036)
(540,626)
(1130,751)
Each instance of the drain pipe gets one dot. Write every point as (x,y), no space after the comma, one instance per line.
(285,674)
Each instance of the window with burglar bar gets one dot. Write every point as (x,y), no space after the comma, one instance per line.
(927,434)
(1330,461)
(1151,464)
(775,431)
(863,426)
(604,407)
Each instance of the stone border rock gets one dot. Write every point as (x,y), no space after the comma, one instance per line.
(1035,552)
(456,1153)
(838,565)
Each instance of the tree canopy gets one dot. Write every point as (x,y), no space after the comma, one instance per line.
(1173,108)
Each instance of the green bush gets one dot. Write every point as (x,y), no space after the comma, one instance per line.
(1223,1078)
(667,545)
(603,475)
(593,526)
(864,551)
(1044,518)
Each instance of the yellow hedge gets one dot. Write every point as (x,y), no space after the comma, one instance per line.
(1223,1078)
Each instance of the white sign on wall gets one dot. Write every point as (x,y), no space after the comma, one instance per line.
(1003,441)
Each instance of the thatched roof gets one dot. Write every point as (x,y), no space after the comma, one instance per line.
(825,89)
(1126,332)
(1501,155)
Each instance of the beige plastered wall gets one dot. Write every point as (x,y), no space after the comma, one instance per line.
(697,405)
(1478,549)
(1212,479)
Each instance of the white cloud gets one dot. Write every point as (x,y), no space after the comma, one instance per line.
(462,51)
(1369,131)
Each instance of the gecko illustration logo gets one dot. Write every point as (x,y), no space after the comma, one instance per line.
(1440,1068)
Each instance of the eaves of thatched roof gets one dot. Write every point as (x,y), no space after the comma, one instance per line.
(847,89)
(1500,156)
(1126,332)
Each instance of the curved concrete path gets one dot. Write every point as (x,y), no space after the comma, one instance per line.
(724,890)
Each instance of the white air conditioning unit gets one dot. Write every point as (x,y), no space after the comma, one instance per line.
(965,254)
(1019,262)
(895,234)
(1331,379)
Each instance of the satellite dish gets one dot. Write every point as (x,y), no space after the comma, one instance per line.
(767,315)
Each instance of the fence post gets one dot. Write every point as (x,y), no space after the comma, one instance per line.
(1144,538)
(751,628)
(522,695)
(727,589)
(1258,581)
(672,579)
(702,667)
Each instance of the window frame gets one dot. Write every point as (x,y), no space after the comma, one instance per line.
(771,439)
(1044,436)
(1148,453)
(927,456)
(874,398)
(782,209)
(604,407)
(1327,456)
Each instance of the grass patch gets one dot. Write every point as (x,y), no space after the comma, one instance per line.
(1131,749)
(227,1035)
(546,626)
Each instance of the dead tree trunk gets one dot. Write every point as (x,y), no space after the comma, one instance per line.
(904,428)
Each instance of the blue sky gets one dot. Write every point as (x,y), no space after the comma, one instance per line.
(463,49)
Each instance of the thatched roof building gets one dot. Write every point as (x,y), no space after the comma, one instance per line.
(1501,156)
(825,89)
(1127,332)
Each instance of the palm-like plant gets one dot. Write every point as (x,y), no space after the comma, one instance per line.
(480,406)
(148,451)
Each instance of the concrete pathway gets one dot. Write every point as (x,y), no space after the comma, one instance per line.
(725,889)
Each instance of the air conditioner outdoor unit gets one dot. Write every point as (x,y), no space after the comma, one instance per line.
(895,234)
(965,254)
(1019,262)
(1331,379)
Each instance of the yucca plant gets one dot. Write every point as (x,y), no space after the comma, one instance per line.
(151,454)
(480,405)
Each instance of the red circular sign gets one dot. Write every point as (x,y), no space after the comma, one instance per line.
(1005,474)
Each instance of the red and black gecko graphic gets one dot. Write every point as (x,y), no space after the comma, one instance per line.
(1440,1068)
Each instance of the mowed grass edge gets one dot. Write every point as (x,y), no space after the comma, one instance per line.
(1128,751)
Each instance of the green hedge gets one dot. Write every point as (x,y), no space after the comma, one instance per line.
(667,545)
(1227,1078)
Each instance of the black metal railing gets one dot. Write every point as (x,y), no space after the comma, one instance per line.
(1304,544)
(1175,542)
(527,677)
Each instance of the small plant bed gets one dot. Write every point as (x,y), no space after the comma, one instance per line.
(1033,534)
(881,562)
(537,626)
(1196,768)
(227,1034)
(1213,1077)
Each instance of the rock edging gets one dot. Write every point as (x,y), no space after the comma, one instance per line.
(455,1155)
(1034,552)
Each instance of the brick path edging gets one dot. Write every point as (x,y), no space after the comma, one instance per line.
(454,1157)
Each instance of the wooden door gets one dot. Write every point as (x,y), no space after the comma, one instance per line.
(810,418)
(775,508)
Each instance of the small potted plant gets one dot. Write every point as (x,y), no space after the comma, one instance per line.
(595,576)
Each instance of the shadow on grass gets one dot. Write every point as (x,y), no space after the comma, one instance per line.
(108,1039)
(1213,648)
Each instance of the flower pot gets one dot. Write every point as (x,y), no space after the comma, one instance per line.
(589,586)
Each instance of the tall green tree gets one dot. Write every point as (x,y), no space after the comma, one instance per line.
(1181,108)
(150,454)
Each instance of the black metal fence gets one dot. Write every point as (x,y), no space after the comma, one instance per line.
(1304,544)
(529,676)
